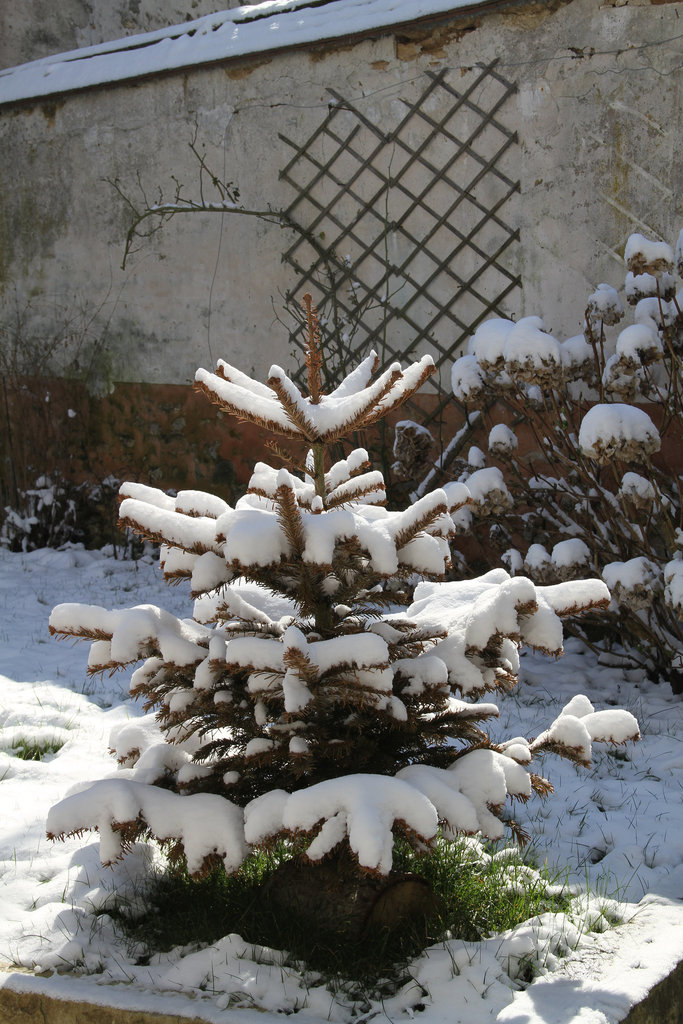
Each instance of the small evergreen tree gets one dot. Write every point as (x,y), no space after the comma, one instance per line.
(298,701)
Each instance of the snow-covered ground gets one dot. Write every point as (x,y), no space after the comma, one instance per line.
(617,828)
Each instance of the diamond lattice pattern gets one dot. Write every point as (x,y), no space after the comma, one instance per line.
(405,231)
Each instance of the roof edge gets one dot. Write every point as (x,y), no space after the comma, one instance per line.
(231,37)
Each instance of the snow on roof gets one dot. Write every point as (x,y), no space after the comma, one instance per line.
(273,25)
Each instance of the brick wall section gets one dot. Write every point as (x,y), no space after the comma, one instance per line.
(164,434)
(170,436)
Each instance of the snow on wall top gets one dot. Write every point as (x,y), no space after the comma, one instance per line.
(273,25)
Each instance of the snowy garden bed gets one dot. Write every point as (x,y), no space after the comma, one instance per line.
(616,827)
(323,704)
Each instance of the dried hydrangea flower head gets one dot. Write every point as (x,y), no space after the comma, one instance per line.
(618,431)
(605,306)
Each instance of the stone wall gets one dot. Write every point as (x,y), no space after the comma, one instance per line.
(165,435)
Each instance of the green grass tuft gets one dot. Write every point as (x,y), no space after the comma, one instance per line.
(482,895)
(478,896)
(35,750)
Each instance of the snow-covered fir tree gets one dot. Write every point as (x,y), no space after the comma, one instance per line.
(299,700)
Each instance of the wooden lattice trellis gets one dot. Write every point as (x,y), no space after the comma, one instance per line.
(403,235)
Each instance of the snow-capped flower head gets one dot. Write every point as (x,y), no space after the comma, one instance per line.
(634,583)
(643,256)
(578,360)
(462,520)
(486,344)
(468,379)
(654,313)
(673,590)
(637,491)
(679,254)
(538,564)
(533,396)
(531,354)
(642,286)
(618,431)
(620,378)
(639,344)
(605,306)
(570,558)
(502,440)
(490,495)
(512,559)
(476,458)
(413,446)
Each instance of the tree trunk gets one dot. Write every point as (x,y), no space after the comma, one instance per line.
(342,903)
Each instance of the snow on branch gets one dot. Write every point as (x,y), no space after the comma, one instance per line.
(283,409)
(203,825)
(366,651)
(579,725)
(175,563)
(230,373)
(365,808)
(334,417)
(359,378)
(574,596)
(245,404)
(469,796)
(264,482)
(149,495)
(131,634)
(228,604)
(194,534)
(200,504)
(428,514)
(341,472)
(367,488)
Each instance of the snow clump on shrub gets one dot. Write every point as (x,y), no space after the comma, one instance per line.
(595,458)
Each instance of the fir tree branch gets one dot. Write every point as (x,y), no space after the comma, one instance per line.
(246,415)
(294,410)
(313,349)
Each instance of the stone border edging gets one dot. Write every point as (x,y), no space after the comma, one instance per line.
(26,998)
(663,1004)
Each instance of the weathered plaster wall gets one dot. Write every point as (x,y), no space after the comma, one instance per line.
(598,111)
